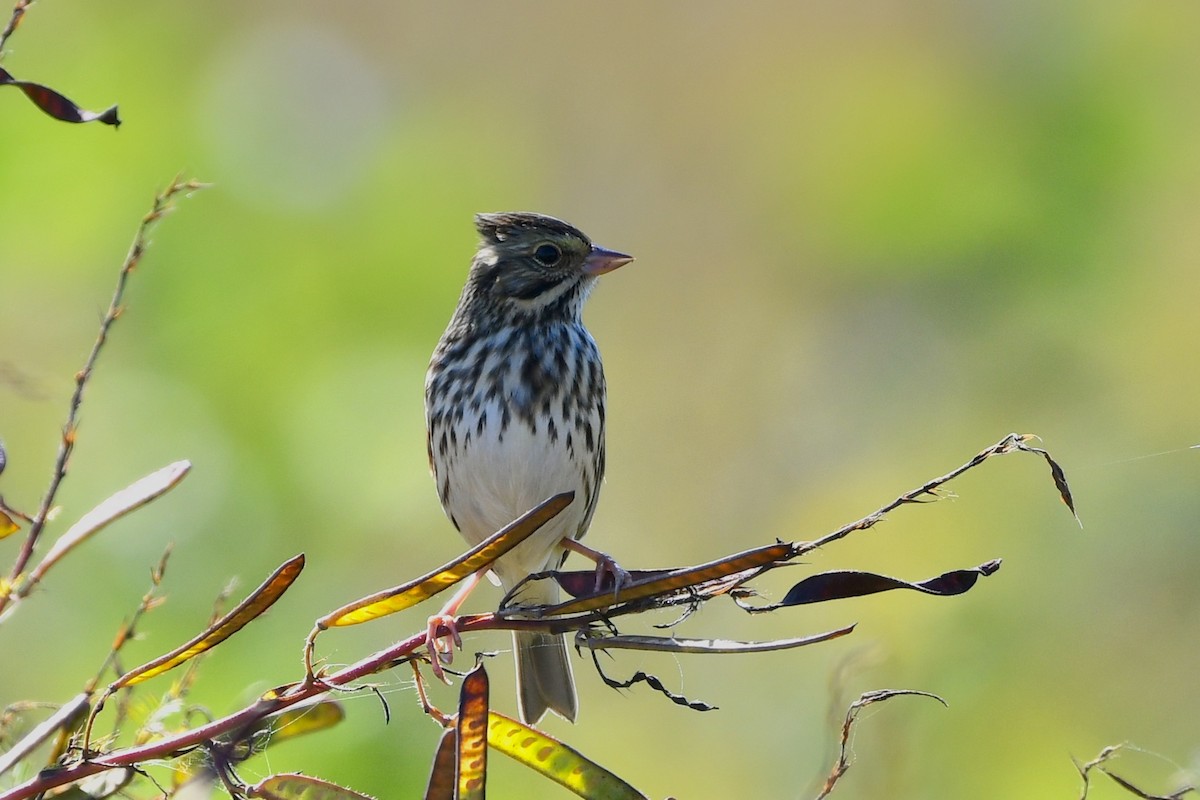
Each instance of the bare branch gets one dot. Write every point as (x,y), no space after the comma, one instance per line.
(844,759)
(162,205)
(13,21)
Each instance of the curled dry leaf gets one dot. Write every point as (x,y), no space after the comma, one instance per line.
(56,105)
(654,683)
(441,784)
(1056,472)
(582,583)
(839,584)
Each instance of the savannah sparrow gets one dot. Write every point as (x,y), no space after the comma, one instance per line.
(514,410)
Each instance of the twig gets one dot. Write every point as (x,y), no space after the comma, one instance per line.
(1009,444)
(62,717)
(162,204)
(674,586)
(1100,763)
(272,702)
(1101,758)
(15,20)
(844,758)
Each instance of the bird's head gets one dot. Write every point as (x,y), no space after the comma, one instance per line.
(531,264)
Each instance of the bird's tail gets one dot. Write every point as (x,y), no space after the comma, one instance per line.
(544,679)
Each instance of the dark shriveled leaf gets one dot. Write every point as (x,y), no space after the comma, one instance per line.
(441,776)
(841,584)
(654,683)
(1134,790)
(1056,472)
(581,583)
(56,105)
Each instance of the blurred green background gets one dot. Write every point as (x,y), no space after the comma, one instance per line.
(872,239)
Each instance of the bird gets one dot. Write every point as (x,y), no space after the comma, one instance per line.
(515,413)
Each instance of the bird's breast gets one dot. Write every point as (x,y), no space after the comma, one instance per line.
(515,418)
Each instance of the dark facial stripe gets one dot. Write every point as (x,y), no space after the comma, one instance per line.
(535,289)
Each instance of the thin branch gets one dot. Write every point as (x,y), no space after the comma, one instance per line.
(162,205)
(15,20)
(1101,758)
(845,760)
(1011,443)
(701,583)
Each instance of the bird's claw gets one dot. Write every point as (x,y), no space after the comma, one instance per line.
(441,651)
(608,569)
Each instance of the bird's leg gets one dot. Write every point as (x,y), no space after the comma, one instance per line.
(440,651)
(605,565)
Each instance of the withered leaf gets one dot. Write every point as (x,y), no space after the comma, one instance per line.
(56,105)
(654,683)
(442,783)
(840,584)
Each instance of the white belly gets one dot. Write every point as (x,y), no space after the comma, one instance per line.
(495,478)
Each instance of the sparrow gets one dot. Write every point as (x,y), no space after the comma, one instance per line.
(515,413)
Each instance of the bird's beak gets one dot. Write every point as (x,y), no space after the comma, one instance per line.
(600,261)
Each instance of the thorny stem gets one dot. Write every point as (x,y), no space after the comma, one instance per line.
(162,204)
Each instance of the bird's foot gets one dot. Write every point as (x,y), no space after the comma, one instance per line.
(441,646)
(441,651)
(607,569)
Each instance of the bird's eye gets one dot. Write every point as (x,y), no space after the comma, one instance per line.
(547,255)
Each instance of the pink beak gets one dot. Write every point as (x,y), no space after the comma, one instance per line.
(600,261)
